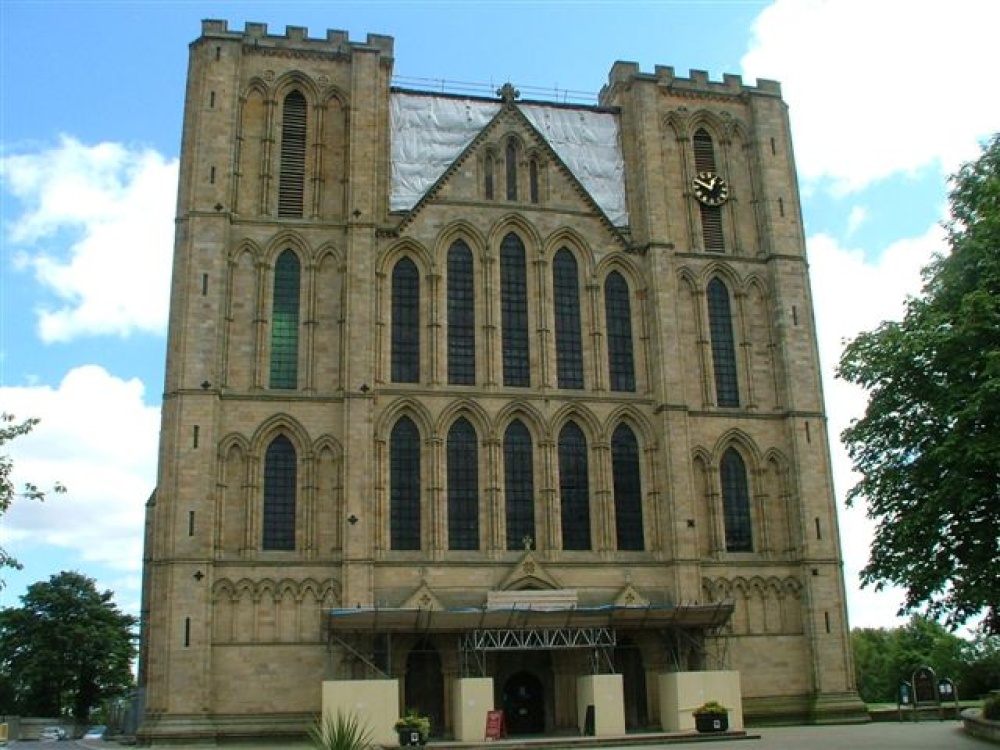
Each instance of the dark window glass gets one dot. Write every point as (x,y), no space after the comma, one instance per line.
(488,168)
(463,487)
(569,346)
(736,502)
(404,486)
(279,495)
(720,323)
(292,175)
(461,316)
(574,488)
(405,322)
(519,483)
(628,489)
(512,170)
(285,322)
(618,311)
(533,180)
(514,309)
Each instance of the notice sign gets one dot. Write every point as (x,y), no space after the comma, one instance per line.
(496,727)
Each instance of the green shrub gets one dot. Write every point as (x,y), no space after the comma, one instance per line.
(343,732)
(712,708)
(991,707)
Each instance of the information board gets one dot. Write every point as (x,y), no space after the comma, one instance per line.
(496,727)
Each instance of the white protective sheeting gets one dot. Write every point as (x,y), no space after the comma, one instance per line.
(429,132)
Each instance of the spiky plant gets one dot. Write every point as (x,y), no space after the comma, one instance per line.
(340,732)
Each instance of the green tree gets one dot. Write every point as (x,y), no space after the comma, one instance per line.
(928,445)
(885,657)
(65,650)
(10,428)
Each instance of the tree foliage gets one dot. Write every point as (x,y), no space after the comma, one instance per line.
(885,657)
(65,650)
(10,428)
(928,445)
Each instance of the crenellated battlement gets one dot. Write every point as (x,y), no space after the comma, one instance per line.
(295,38)
(624,73)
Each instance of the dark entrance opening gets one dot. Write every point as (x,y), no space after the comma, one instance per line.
(424,686)
(628,663)
(523,700)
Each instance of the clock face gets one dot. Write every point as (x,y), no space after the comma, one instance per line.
(710,189)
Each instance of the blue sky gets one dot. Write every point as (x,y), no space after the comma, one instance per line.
(886,98)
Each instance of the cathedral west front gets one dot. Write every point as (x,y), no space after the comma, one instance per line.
(485,390)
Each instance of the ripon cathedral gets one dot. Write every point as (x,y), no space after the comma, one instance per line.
(486,403)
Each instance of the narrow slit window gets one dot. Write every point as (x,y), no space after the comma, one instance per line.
(511,170)
(292,175)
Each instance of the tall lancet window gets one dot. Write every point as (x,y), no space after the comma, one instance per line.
(285,321)
(514,312)
(280,482)
(463,487)
(736,502)
(618,312)
(569,339)
(405,322)
(720,324)
(519,485)
(404,486)
(574,488)
(461,316)
(628,489)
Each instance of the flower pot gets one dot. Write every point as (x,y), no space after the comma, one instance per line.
(409,736)
(711,722)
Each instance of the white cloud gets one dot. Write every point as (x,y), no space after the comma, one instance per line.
(858,216)
(99,439)
(880,88)
(97,230)
(852,294)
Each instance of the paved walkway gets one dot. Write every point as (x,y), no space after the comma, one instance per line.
(926,735)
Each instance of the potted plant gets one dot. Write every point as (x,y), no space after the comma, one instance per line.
(413,728)
(711,717)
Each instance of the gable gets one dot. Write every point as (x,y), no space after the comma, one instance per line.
(429,132)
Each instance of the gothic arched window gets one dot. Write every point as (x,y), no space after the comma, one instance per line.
(618,311)
(280,485)
(461,316)
(404,486)
(292,174)
(511,159)
(574,488)
(569,343)
(628,489)
(463,486)
(519,485)
(736,502)
(405,322)
(285,322)
(514,312)
(720,324)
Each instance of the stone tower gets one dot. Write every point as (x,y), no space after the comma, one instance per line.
(442,353)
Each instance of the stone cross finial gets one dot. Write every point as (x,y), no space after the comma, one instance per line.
(508,93)
(527,541)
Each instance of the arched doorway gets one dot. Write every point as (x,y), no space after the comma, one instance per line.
(628,663)
(424,686)
(523,701)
